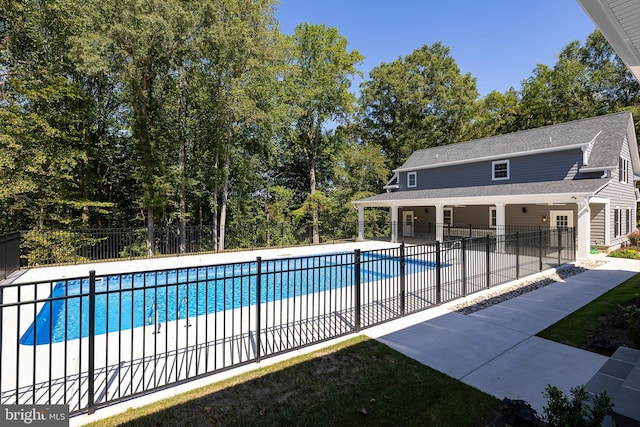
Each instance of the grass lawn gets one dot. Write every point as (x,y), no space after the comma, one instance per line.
(357,382)
(577,328)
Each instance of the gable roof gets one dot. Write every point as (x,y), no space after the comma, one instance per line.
(602,135)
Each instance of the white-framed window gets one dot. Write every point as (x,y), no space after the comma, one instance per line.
(630,227)
(492,217)
(447,216)
(412,179)
(500,170)
(617,222)
(623,170)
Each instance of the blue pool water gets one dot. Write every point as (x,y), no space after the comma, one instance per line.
(133,300)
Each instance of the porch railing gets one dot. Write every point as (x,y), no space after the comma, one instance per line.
(94,340)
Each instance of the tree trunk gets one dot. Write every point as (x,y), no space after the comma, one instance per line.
(225,189)
(314,206)
(151,246)
(182,225)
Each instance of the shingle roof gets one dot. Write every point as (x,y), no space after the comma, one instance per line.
(609,129)
(579,186)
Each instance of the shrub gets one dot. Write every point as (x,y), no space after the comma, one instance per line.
(578,411)
(634,237)
(632,320)
(625,253)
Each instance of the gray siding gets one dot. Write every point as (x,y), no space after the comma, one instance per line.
(622,196)
(597,224)
(536,168)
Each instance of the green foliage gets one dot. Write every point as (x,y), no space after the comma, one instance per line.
(54,247)
(624,253)
(415,102)
(203,112)
(632,320)
(634,238)
(578,411)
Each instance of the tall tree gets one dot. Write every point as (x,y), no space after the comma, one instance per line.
(45,111)
(141,42)
(416,102)
(318,93)
(241,52)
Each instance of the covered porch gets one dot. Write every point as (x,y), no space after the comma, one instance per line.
(444,214)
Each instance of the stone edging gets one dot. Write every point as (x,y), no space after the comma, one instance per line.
(523,287)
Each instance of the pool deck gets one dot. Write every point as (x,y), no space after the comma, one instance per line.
(494,350)
(161,263)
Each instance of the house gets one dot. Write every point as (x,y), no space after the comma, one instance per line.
(578,174)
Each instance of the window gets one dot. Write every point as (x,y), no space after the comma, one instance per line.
(492,217)
(412,180)
(630,227)
(617,222)
(623,170)
(447,216)
(500,170)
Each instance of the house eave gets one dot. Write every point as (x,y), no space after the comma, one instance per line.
(597,169)
(581,146)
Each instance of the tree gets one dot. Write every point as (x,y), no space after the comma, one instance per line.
(318,93)
(416,102)
(45,110)
(497,113)
(240,54)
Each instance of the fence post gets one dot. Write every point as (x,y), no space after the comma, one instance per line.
(488,259)
(258,304)
(402,280)
(356,262)
(540,247)
(438,278)
(92,341)
(463,249)
(559,245)
(130,242)
(517,255)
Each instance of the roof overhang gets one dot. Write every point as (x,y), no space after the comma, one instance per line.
(618,21)
(523,193)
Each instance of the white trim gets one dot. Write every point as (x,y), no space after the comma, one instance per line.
(493,170)
(415,179)
(495,157)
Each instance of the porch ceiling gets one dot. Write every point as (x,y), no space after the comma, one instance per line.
(565,191)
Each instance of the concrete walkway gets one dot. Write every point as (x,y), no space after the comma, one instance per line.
(495,349)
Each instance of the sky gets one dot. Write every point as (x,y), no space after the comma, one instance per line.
(499,42)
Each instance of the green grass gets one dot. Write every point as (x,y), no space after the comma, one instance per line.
(575,329)
(359,382)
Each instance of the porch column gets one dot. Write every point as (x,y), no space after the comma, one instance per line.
(439,223)
(360,223)
(584,229)
(394,224)
(500,226)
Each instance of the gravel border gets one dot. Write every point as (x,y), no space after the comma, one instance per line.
(524,286)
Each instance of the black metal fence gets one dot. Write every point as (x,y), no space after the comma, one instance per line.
(97,339)
(9,254)
(75,246)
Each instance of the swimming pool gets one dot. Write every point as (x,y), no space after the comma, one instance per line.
(127,301)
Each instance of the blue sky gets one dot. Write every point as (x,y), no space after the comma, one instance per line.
(499,42)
